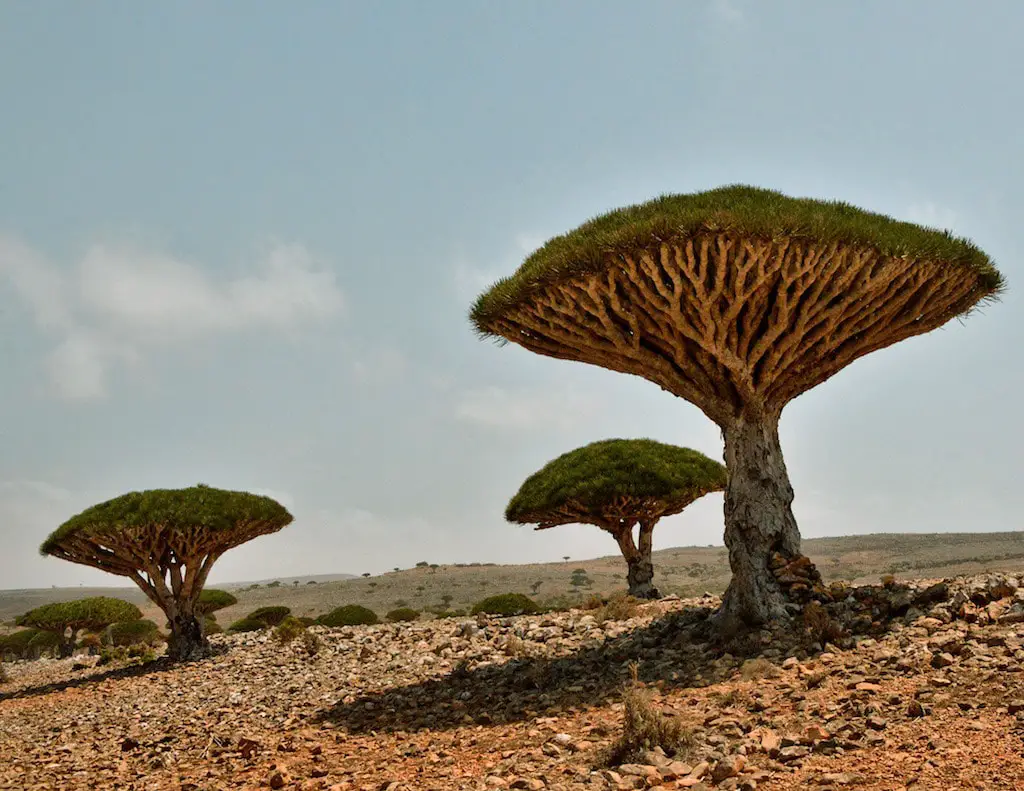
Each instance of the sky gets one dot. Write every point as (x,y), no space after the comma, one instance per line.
(239,242)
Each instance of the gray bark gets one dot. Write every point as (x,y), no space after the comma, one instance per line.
(758,521)
(187,640)
(640,569)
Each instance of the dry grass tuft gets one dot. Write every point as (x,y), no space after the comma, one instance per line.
(820,625)
(758,668)
(619,607)
(645,727)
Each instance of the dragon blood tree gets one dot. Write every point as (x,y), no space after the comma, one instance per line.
(618,484)
(738,300)
(166,541)
(65,619)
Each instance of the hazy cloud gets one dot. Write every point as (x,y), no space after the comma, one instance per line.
(119,302)
(726,11)
(523,408)
(933,216)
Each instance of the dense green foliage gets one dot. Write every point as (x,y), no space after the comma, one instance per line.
(506,604)
(738,209)
(215,510)
(211,599)
(95,613)
(403,614)
(246,625)
(15,645)
(270,616)
(43,643)
(592,477)
(210,626)
(139,631)
(349,615)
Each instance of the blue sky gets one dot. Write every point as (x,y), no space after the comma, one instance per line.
(238,242)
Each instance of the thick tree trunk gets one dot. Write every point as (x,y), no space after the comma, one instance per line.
(758,521)
(187,640)
(640,570)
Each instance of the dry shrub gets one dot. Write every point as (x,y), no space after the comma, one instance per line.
(620,607)
(593,602)
(289,629)
(758,668)
(311,643)
(516,647)
(645,727)
(820,625)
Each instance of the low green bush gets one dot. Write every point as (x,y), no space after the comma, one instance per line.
(44,644)
(506,604)
(15,645)
(349,615)
(138,632)
(210,625)
(246,625)
(270,616)
(403,614)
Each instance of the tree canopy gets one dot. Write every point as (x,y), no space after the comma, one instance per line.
(213,599)
(737,299)
(93,613)
(615,479)
(216,516)
(741,210)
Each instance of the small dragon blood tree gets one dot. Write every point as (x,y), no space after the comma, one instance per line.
(618,484)
(166,541)
(65,619)
(738,300)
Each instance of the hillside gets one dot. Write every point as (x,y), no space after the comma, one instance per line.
(685,571)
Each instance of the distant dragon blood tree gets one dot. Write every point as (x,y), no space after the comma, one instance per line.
(166,541)
(738,300)
(66,619)
(618,485)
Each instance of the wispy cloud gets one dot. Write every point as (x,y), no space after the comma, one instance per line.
(471,280)
(727,11)
(119,303)
(525,409)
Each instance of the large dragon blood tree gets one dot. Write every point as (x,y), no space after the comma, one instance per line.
(620,485)
(166,541)
(738,300)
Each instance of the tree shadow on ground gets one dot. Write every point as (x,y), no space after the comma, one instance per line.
(669,650)
(676,651)
(84,678)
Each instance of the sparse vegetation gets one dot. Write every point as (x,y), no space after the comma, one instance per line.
(645,727)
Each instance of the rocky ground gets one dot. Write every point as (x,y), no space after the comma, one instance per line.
(919,686)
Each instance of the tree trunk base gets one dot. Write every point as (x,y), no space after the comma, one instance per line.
(187,642)
(639,577)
